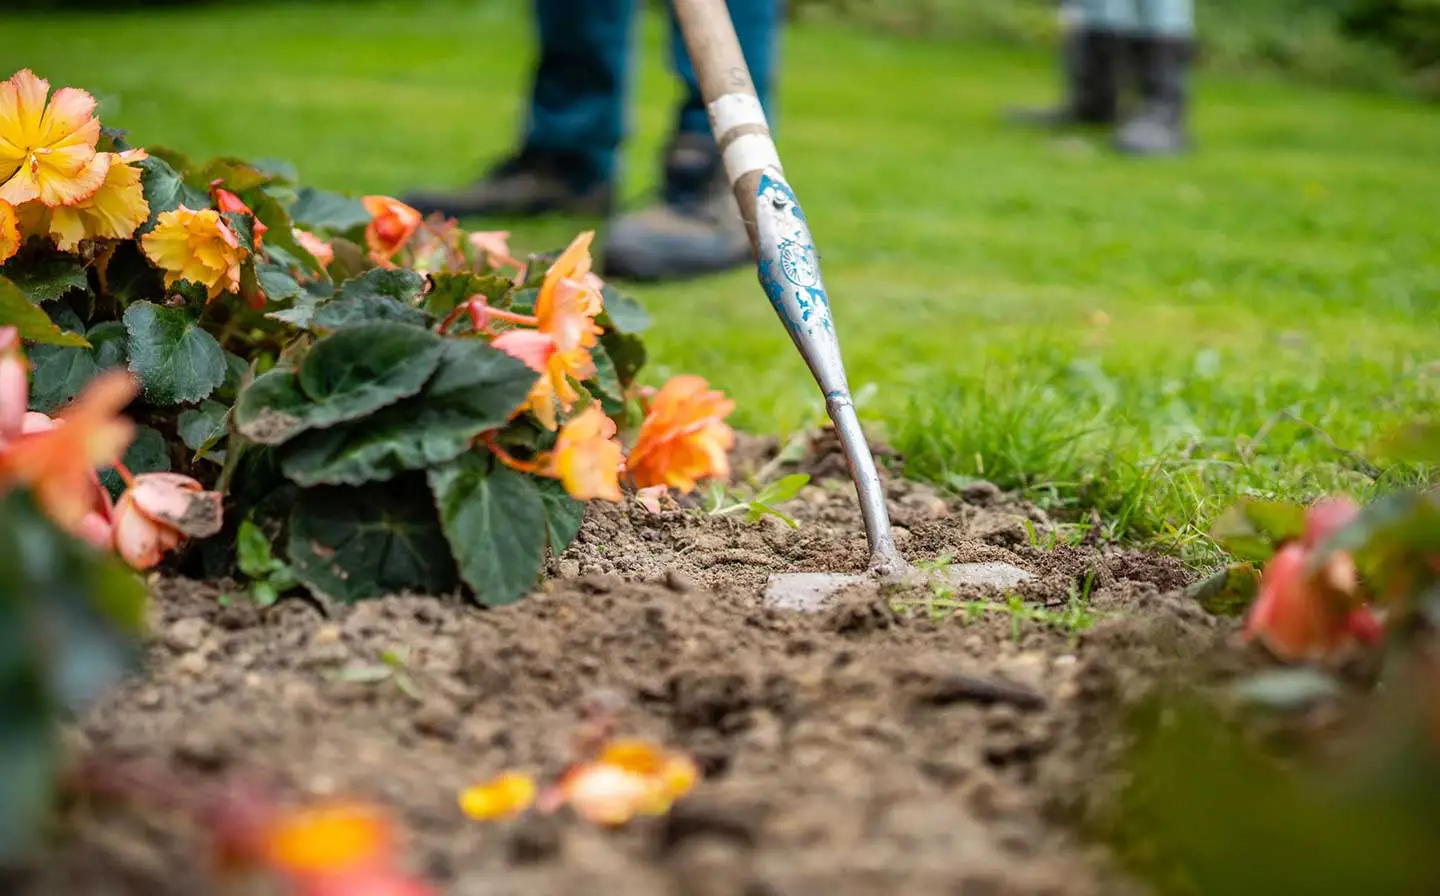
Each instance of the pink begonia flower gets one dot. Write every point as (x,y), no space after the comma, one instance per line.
(158,512)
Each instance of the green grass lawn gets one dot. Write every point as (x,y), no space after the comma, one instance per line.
(1146,338)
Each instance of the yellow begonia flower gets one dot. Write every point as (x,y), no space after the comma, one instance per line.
(197,246)
(9,231)
(116,210)
(47,149)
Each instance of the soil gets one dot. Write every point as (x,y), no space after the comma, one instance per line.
(876,746)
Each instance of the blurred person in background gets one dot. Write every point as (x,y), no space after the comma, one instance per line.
(1110,43)
(567,160)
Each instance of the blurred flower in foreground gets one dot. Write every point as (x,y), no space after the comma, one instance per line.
(1303,613)
(587,458)
(505,796)
(392,223)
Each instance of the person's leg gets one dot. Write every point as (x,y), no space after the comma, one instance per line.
(696,227)
(1163,50)
(1090,53)
(575,123)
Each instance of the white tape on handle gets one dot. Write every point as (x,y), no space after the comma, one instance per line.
(750,152)
(733,110)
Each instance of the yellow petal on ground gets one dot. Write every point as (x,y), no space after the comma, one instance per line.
(503,797)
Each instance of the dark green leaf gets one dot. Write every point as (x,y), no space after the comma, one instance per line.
(563,514)
(1229,592)
(176,361)
(398,284)
(495,522)
(318,209)
(606,383)
(235,175)
(165,190)
(201,427)
(16,310)
(49,278)
(146,454)
(243,226)
(269,410)
(448,291)
(623,314)
(626,353)
(129,277)
(270,212)
(476,387)
(349,544)
(354,309)
(365,367)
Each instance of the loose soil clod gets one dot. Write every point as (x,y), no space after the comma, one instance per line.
(864,748)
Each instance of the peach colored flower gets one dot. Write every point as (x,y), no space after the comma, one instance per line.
(587,458)
(503,797)
(47,149)
(628,779)
(392,223)
(568,303)
(684,437)
(362,882)
(228,203)
(197,246)
(494,248)
(158,512)
(14,385)
(9,231)
(57,459)
(323,251)
(114,212)
(539,352)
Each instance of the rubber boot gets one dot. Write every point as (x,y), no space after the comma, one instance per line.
(694,230)
(1158,127)
(1091,68)
(531,182)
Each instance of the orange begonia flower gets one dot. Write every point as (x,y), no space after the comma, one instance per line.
(684,437)
(629,778)
(504,796)
(58,464)
(362,882)
(158,512)
(47,149)
(587,458)
(9,231)
(539,351)
(114,212)
(324,252)
(336,838)
(228,202)
(197,246)
(14,385)
(392,223)
(568,302)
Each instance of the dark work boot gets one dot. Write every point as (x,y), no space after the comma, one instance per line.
(532,182)
(1158,127)
(1091,60)
(695,229)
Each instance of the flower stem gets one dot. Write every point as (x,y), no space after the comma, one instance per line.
(538,467)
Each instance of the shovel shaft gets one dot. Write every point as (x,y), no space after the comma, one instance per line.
(788,265)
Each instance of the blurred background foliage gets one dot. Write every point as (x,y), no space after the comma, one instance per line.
(1391,45)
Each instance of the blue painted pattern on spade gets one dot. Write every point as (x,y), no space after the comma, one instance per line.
(788,265)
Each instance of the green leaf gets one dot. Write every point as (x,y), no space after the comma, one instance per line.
(623,314)
(475,387)
(322,210)
(16,310)
(401,285)
(607,383)
(176,361)
(235,175)
(563,514)
(279,286)
(130,277)
(48,279)
(626,353)
(57,374)
(146,454)
(252,551)
(165,191)
(1229,592)
(349,544)
(346,375)
(784,489)
(201,427)
(448,291)
(495,522)
(1252,529)
(279,233)
(345,311)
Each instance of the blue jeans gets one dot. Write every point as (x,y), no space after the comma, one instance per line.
(1149,18)
(582,82)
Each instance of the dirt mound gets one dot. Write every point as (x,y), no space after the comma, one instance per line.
(917,741)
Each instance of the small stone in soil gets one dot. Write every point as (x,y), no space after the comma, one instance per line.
(811,591)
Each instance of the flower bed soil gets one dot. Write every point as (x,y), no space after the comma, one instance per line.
(862,749)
